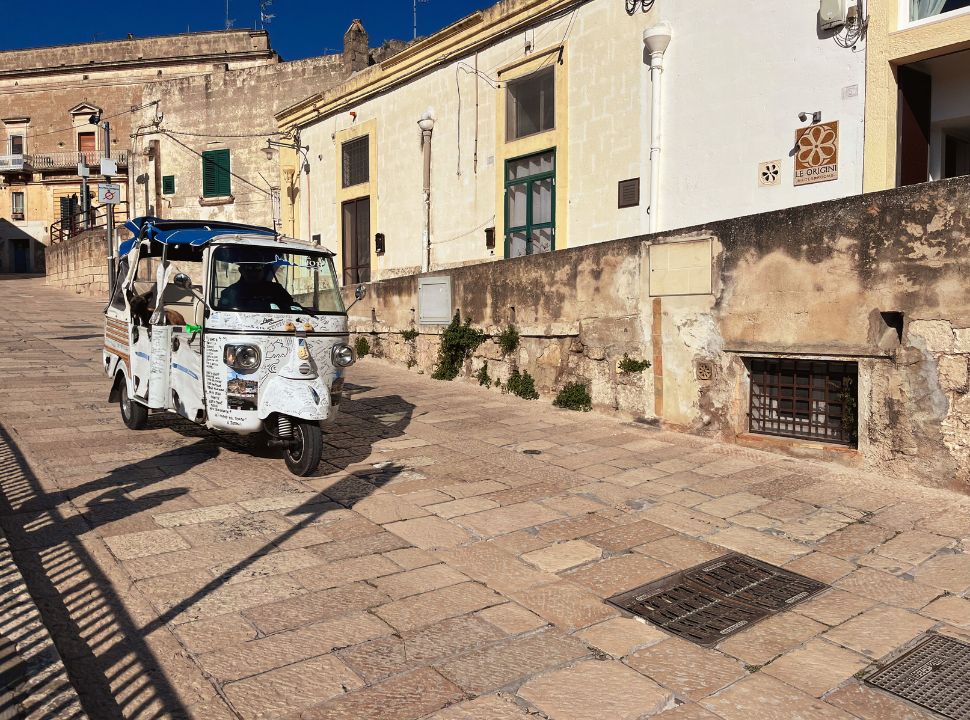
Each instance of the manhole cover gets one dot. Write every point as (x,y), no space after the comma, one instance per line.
(709,602)
(935,674)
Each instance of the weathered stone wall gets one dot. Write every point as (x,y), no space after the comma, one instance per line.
(79,265)
(808,282)
(112,52)
(230,110)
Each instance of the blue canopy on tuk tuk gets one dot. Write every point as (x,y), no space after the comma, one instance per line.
(184,232)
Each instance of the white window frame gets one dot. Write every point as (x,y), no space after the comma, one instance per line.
(904,23)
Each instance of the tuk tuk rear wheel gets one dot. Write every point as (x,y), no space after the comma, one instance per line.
(302,457)
(133,414)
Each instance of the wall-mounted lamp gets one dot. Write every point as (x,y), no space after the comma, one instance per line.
(379,243)
(816,116)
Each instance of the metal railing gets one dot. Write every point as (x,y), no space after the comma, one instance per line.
(67,160)
(95,219)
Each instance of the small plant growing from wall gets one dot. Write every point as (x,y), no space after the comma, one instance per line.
(458,342)
(483,379)
(574,396)
(361,346)
(632,365)
(508,340)
(410,336)
(522,384)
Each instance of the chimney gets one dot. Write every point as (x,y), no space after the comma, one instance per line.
(355,47)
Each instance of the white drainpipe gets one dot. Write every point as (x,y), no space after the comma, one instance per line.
(656,38)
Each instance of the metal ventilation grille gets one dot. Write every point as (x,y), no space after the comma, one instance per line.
(935,674)
(628,193)
(713,601)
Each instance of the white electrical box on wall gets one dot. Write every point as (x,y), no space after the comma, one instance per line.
(831,14)
(434,300)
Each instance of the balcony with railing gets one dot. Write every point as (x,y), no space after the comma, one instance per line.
(67,160)
(58,161)
(17,162)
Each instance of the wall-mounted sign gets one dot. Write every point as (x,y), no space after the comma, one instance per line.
(109,194)
(769,173)
(817,153)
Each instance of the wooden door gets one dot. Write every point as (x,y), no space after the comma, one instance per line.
(356,240)
(915,94)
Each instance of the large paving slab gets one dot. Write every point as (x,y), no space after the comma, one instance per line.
(432,568)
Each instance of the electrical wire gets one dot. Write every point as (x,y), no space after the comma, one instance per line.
(209,135)
(107,117)
(168,133)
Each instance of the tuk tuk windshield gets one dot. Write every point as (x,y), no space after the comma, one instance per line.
(251,278)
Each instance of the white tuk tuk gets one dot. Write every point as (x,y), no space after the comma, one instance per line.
(232,327)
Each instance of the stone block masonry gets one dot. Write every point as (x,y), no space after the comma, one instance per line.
(877,281)
(80,265)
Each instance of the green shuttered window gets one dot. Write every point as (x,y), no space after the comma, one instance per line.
(168,185)
(215,174)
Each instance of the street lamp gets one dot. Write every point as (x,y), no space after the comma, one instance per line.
(426,123)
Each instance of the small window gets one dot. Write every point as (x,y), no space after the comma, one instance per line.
(531,106)
(168,185)
(812,399)
(215,174)
(356,161)
(17,205)
(919,9)
(16,144)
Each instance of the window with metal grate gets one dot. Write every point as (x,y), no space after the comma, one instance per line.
(814,399)
(355,161)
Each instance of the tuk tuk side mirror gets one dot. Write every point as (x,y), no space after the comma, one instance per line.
(359,294)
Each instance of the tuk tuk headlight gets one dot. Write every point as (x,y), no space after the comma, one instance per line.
(244,358)
(342,355)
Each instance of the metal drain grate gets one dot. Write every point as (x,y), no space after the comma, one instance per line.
(935,674)
(710,602)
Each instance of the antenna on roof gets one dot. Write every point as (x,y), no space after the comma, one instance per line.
(415,11)
(229,20)
(264,16)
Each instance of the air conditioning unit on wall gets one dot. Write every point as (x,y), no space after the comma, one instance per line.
(832,13)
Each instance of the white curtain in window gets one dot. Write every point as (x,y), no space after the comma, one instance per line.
(919,9)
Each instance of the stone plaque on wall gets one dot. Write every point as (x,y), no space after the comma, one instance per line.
(817,153)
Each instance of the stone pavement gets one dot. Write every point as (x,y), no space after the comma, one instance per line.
(449,562)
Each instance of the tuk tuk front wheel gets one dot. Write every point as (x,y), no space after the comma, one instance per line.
(133,414)
(302,456)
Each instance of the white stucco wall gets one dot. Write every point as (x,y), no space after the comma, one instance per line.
(736,76)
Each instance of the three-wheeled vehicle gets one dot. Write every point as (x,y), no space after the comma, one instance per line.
(232,327)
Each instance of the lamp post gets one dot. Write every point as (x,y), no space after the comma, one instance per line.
(426,123)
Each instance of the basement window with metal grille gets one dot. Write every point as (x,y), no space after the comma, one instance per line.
(810,399)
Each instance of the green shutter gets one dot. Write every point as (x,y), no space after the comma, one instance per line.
(215,174)
(168,185)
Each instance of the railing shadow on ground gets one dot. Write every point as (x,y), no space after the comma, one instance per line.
(105,649)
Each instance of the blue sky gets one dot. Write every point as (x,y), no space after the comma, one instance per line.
(301,28)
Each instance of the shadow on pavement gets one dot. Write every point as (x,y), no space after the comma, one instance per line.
(112,656)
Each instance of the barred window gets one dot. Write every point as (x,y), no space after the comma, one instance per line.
(813,399)
(355,164)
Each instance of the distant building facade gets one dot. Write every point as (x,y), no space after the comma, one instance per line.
(201,151)
(47,98)
(548,130)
